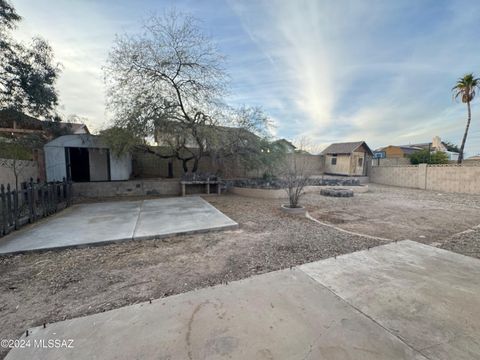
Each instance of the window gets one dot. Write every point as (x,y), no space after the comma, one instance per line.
(334,160)
(360,162)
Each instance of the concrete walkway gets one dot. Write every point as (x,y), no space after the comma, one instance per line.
(99,223)
(397,301)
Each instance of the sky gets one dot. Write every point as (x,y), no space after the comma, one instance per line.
(330,71)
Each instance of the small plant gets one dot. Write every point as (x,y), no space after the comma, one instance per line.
(295,178)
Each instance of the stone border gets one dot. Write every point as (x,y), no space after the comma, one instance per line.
(281,194)
(341,192)
(299,211)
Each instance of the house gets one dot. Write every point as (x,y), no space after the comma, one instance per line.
(348,158)
(285,145)
(14,123)
(394,151)
(83,158)
(404,151)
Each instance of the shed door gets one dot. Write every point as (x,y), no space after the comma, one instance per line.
(78,164)
(358,164)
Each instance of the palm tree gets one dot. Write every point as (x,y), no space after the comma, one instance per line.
(466,88)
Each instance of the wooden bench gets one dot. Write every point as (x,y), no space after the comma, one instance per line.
(207,184)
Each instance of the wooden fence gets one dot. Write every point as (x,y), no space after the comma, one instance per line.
(33,201)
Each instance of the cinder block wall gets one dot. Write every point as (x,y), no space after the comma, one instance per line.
(146,165)
(444,178)
(154,187)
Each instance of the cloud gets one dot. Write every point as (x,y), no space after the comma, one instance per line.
(373,70)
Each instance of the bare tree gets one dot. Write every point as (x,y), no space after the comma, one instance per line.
(167,83)
(296,173)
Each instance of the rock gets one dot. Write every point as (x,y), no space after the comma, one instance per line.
(337,192)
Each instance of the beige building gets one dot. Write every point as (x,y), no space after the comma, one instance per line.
(348,158)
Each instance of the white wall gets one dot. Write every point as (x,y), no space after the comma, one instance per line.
(120,167)
(98,160)
(55,166)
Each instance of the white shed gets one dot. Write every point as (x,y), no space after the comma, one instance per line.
(84,157)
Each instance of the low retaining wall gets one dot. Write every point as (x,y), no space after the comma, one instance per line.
(282,194)
(445,178)
(127,188)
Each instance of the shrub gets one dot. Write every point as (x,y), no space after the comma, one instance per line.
(425,157)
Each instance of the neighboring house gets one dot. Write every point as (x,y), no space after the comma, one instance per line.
(349,158)
(404,151)
(16,123)
(393,151)
(286,145)
(83,158)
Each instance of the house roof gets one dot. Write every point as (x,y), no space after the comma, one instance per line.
(407,149)
(286,143)
(76,128)
(345,148)
(77,140)
(14,121)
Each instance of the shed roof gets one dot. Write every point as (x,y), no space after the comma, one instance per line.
(345,148)
(77,140)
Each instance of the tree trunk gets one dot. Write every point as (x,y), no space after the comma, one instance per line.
(195,165)
(464,140)
(170,169)
(185,165)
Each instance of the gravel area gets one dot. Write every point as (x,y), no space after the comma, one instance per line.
(56,285)
(399,213)
(466,243)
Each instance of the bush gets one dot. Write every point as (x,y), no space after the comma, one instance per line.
(425,157)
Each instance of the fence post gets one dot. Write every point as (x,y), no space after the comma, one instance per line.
(49,199)
(15,209)
(30,201)
(65,191)
(55,196)
(68,186)
(9,207)
(4,211)
(42,199)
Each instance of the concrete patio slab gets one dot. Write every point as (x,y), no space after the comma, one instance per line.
(426,296)
(280,315)
(171,214)
(397,301)
(100,223)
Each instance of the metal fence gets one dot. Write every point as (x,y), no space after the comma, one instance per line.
(32,201)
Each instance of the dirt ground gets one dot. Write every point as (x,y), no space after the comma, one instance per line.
(399,213)
(46,287)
